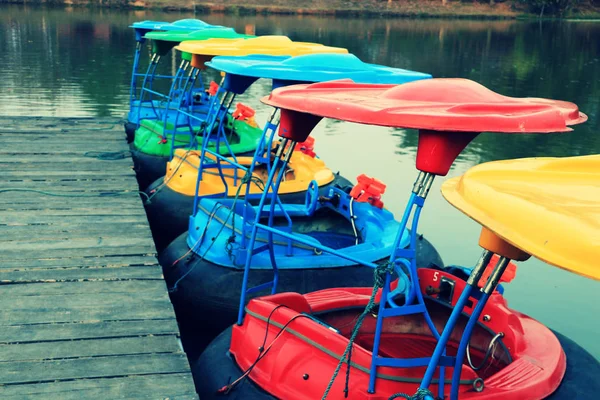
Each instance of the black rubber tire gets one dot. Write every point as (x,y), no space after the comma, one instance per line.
(215,368)
(130,128)
(148,168)
(168,212)
(206,301)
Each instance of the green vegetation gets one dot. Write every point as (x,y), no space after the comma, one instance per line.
(472,9)
(549,7)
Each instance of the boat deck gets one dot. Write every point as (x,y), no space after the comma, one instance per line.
(84,310)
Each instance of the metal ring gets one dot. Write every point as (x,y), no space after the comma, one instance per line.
(478,385)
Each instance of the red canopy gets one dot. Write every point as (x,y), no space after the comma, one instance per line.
(453,111)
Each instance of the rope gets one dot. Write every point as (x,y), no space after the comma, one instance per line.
(76,195)
(261,354)
(167,180)
(379,280)
(420,395)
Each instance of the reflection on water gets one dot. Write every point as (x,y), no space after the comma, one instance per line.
(77,63)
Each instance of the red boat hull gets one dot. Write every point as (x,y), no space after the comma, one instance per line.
(527,363)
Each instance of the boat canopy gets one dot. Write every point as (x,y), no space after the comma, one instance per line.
(189,24)
(203,34)
(456,105)
(547,207)
(163,42)
(313,68)
(269,45)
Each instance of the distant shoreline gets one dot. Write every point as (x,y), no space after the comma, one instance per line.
(503,9)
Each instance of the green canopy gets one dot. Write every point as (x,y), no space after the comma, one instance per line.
(163,42)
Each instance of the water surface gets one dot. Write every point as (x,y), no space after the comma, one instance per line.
(57,62)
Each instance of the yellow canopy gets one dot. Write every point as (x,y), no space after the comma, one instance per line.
(266,45)
(548,207)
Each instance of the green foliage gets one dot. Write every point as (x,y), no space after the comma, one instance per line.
(549,7)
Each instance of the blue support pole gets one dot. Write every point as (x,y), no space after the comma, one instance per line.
(466,336)
(454,316)
(413,298)
(136,62)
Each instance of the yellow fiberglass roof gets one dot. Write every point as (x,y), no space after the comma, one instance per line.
(267,45)
(548,207)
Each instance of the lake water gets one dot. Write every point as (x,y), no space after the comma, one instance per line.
(57,62)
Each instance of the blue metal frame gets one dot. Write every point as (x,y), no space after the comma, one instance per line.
(402,259)
(405,267)
(482,296)
(242,72)
(141,29)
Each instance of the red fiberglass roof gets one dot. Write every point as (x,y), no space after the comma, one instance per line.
(458,105)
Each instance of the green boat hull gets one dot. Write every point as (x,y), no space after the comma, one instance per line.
(149,138)
(151,153)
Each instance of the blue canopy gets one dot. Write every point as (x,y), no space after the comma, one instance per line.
(143,27)
(313,68)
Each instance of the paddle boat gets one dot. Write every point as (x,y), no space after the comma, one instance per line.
(223,253)
(156,109)
(411,332)
(187,125)
(142,28)
(172,196)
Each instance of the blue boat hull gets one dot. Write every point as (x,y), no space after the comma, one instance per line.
(206,301)
(169,211)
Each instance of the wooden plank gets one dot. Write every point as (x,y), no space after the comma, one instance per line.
(79,261)
(167,386)
(56,125)
(9,257)
(100,209)
(62,173)
(42,169)
(72,232)
(94,242)
(94,367)
(50,150)
(87,348)
(41,129)
(84,310)
(63,290)
(81,212)
(18,200)
(73,219)
(30,120)
(42,201)
(85,307)
(109,187)
(80,139)
(79,274)
(77,159)
(87,330)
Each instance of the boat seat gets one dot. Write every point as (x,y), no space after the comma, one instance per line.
(323,300)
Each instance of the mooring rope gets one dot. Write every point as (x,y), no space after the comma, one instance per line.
(67,194)
(245,180)
(421,394)
(379,280)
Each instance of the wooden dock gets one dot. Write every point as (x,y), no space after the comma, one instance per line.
(84,310)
